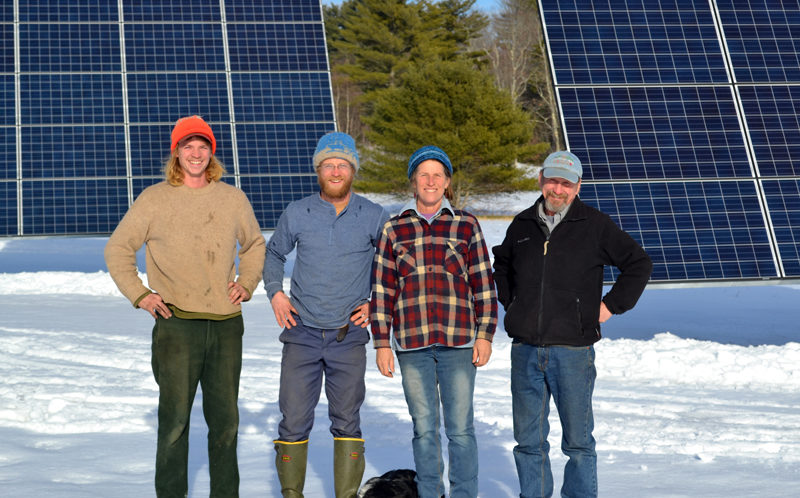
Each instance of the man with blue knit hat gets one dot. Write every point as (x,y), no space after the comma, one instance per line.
(324,321)
(549,277)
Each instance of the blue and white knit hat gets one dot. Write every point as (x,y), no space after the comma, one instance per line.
(428,152)
(336,144)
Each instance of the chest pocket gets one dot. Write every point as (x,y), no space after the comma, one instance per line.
(456,257)
(406,260)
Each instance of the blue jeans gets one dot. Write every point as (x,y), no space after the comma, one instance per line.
(309,356)
(447,374)
(568,373)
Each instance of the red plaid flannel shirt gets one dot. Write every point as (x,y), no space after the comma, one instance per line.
(432,282)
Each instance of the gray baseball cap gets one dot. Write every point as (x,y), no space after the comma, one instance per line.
(563,164)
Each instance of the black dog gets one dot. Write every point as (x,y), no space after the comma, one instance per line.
(393,484)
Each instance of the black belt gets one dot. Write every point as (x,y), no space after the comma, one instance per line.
(343,329)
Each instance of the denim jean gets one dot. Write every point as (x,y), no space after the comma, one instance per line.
(309,356)
(185,353)
(568,373)
(429,375)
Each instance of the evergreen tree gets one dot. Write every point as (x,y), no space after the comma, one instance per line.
(382,38)
(347,94)
(461,24)
(456,107)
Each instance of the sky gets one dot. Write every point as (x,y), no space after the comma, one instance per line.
(487,6)
(698,390)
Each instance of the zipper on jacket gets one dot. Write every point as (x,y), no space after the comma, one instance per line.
(541,288)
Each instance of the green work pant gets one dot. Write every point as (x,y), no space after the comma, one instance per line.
(186,352)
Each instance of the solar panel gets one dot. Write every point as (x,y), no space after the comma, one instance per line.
(65,11)
(93,151)
(685,115)
(277,148)
(277,47)
(7,12)
(72,206)
(6,47)
(8,153)
(156,97)
(89,94)
(78,47)
(783,199)
(655,132)
(260,11)
(614,41)
(8,207)
(763,39)
(772,115)
(296,97)
(696,230)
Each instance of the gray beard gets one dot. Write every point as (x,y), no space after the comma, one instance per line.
(549,207)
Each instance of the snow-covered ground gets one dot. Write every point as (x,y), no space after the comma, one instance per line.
(698,391)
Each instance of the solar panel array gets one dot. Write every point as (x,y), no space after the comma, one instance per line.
(90,90)
(686,114)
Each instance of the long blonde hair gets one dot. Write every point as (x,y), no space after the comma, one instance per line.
(174,172)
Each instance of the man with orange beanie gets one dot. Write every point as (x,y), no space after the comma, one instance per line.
(191,225)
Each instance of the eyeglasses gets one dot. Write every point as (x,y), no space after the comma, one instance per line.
(329,167)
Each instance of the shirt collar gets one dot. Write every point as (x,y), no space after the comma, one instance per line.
(412,206)
(323,202)
(556,217)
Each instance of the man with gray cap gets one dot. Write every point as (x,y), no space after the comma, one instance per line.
(549,277)
(324,321)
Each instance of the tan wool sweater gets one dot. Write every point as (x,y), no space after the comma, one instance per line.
(191,238)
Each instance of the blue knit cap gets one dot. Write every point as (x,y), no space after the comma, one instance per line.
(428,152)
(336,144)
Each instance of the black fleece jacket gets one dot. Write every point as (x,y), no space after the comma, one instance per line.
(551,284)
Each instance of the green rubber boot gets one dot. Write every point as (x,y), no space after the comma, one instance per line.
(348,466)
(290,462)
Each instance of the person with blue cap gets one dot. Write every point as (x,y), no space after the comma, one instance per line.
(433,302)
(324,321)
(549,276)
